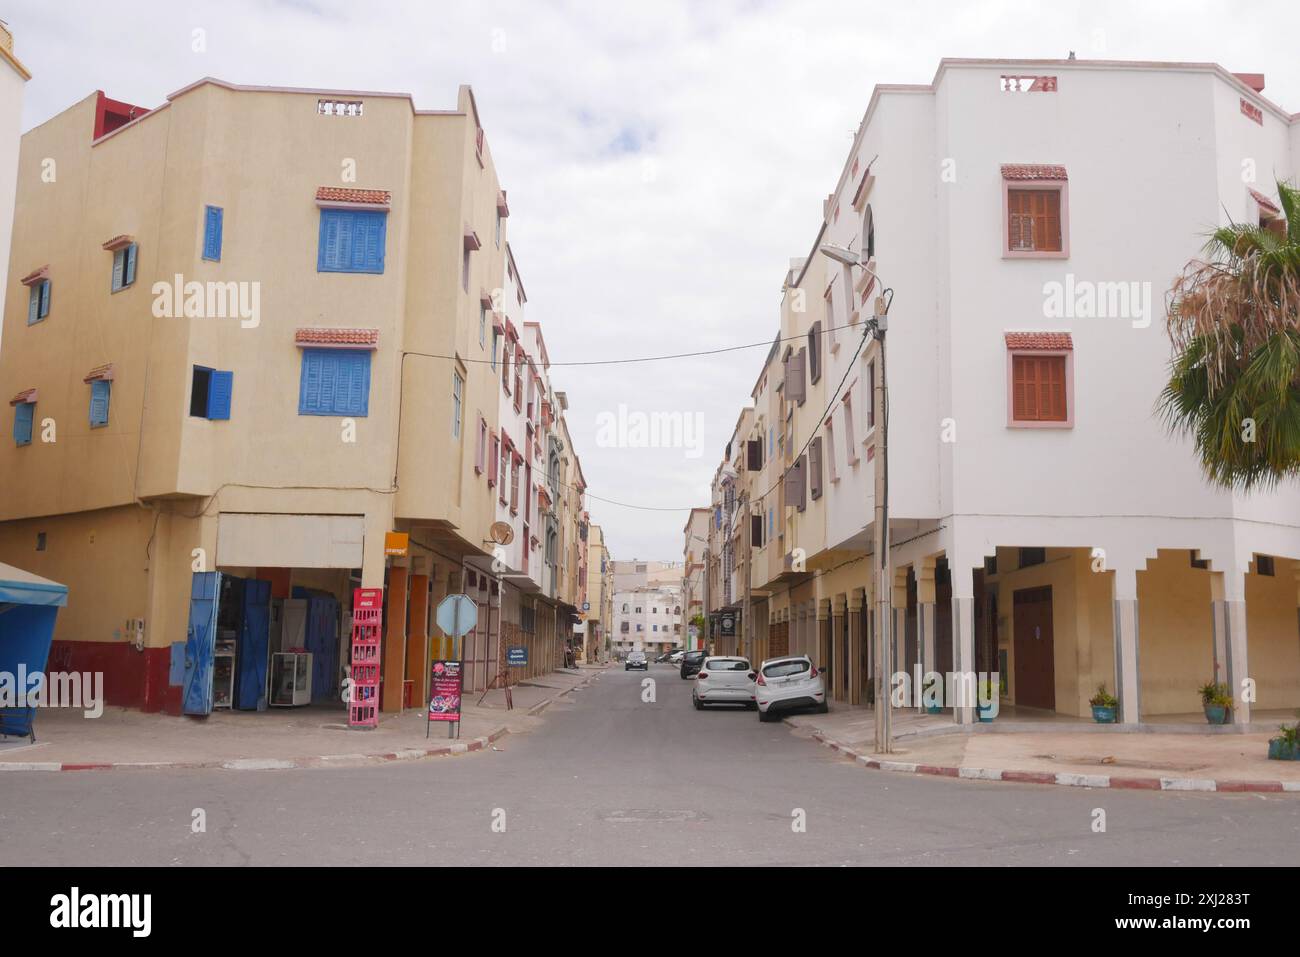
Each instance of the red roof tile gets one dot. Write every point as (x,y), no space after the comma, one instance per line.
(100,372)
(117,242)
(1032,171)
(36,275)
(1054,341)
(338,194)
(336,337)
(27,395)
(1264,201)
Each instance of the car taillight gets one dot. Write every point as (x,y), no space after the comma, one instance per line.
(813,672)
(703,675)
(761,681)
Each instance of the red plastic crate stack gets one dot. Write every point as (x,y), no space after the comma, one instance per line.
(367,628)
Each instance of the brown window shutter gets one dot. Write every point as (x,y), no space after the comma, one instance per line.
(756,531)
(754,455)
(1020,388)
(796,383)
(815,352)
(795,487)
(815,466)
(801,473)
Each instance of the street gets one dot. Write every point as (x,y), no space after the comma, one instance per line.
(608,779)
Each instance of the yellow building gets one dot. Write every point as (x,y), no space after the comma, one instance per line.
(264,349)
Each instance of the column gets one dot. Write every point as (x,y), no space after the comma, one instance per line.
(842,653)
(925,612)
(898,611)
(394,663)
(1128,683)
(857,649)
(1228,591)
(417,643)
(825,644)
(965,681)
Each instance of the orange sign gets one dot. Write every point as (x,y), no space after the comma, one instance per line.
(396,543)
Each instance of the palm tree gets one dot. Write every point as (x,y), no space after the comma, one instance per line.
(1234,320)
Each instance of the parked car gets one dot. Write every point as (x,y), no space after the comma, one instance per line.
(664,657)
(676,658)
(724,679)
(789,684)
(691,662)
(636,659)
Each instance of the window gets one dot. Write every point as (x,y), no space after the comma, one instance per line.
(492,457)
(38,303)
(40,541)
(1264,566)
(1038,387)
(831,471)
(991,565)
(210,392)
(457,391)
(496,338)
(24,415)
(212,217)
(352,240)
(815,353)
(124,266)
(498,236)
(100,390)
(1032,556)
(334,382)
(850,446)
(1035,211)
(480,448)
(871,234)
(482,323)
(815,467)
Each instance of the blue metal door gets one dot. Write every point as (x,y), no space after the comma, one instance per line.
(200,642)
(253,645)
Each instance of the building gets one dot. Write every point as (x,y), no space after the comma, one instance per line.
(648,618)
(695,550)
(1045,527)
(597,613)
(13,78)
(268,347)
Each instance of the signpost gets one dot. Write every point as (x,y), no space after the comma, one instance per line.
(517,656)
(457,616)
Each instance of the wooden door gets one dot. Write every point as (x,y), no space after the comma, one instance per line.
(1035,667)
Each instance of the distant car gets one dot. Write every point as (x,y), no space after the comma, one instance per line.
(636,659)
(724,680)
(676,657)
(691,662)
(664,657)
(789,684)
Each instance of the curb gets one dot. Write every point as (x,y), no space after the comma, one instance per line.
(480,743)
(1060,778)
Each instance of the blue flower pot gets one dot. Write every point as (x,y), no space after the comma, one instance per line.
(933,709)
(1279,750)
(1216,714)
(1103,714)
(985,713)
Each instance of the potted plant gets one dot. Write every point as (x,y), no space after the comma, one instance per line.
(1103,705)
(1216,699)
(986,692)
(931,704)
(1286,746)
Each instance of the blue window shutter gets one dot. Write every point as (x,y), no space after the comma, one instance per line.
(23,414)
(119,264)
(309,391)
(99,392)
(212,218)
(130,265)
(351,240)
(34,305)
(45,298)
(334,382)
(328,242)
(220,387)
(359,398)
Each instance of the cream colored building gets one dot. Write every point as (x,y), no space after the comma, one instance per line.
(262,354)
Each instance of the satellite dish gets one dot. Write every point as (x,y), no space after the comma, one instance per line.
(502,533)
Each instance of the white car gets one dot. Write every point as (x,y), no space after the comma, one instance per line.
(786,684)
(676,657)
(724,680)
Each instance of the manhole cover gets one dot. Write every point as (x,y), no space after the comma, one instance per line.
(651,816)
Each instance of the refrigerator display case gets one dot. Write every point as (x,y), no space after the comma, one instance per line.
(290,679)
(223,672)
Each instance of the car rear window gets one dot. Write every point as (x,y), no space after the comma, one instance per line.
(726,664)
(783,668)
(695,655)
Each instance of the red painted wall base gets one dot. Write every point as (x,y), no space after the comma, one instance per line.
(132,679)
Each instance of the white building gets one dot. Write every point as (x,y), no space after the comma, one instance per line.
(13,78)
(648,618)
(1028,217)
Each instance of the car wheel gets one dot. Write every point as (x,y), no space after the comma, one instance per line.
(764,716)
(823,708)
(752,706)
(699,705)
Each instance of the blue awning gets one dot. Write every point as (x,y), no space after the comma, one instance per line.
(18,587)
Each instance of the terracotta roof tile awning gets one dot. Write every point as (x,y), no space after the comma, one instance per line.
(36,275)
(471,239)
(27,395)
(118,242)
(485,297)
(1040,341)
(1260,198)
(1032,171)
(502,206)
(337,195)
(337,338)
(104,372)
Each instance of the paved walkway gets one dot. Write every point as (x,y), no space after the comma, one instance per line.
(313,736)
(1092,758)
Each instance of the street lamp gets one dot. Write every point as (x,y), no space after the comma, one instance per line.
(877,325)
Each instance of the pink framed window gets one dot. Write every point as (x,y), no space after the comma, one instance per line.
(1040,380)
(1035,212)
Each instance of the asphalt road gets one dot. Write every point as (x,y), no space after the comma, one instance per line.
(610,779)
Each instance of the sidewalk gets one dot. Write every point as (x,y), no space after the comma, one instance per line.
(1150,761)
(313,736)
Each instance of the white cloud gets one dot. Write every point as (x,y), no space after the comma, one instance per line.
(741,114)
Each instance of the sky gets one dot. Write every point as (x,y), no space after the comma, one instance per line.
(665,160)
